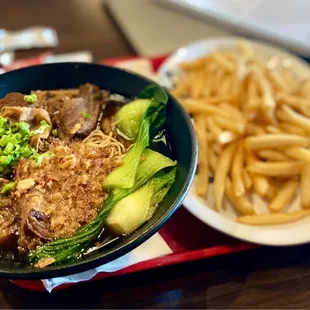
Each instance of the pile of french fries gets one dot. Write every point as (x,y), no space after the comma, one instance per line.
(253,126)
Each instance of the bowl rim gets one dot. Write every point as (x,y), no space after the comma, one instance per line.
(97,260)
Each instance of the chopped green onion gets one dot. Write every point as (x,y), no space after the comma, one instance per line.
(3,122)
(40,157)
(26,151)
(31,98)
(41,129)
(55,133)
(6,188)
(44,125)
(15,143)
(86,115)
(5,160)
(9,148)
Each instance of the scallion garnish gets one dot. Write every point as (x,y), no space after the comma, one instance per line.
(15,142)
(31,98)
(86,115)
(6,188)
(55,133)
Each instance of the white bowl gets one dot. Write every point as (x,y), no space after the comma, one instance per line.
(280,235)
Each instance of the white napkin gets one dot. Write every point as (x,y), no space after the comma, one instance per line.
(141,66)
(152,248)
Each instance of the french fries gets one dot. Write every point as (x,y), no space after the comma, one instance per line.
(213,160)
(271,193)
(253,128)
(260,182)
(296,118)
(214,128)
(198,86)
(305,183)
(284,196)
(222,137)
(195,107)
(273,218)
(241,203)
(181,90)
(203,165)
(298,153)
(276,169)
(277,80)
(219,99)
(294,102)
(292,129)
(272,155)
(274,129)
(224,62)
(234,112)
(221,174)
(246,179)
(229,124)
(252,103)
(236,171)
(275,141)
(226,137)
(246,49)
(269,103)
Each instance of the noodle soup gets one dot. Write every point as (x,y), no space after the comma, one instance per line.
(79,168)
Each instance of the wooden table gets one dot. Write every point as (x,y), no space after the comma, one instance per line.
(262,278)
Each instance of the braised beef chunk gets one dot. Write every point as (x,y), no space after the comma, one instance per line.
(8,221)
(73,111)
(28,229)
(79,116)
(51,100)
(40,224)
(13,99)
(107,121)
(9,216)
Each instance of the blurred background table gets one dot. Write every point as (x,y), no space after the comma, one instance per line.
(262,278)
(80,25)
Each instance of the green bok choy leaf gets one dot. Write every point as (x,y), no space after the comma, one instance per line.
(135,209)
(124,176)
(129,117)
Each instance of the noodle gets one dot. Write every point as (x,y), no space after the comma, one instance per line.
(99,139)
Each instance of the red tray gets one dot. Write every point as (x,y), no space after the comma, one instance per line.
(184,243)
(196,242)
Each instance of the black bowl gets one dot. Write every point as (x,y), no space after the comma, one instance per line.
(180,134)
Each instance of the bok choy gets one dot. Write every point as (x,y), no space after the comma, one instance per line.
(124,176)
(129,117)
(135,209)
